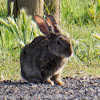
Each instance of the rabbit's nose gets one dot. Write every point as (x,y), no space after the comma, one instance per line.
(59,42)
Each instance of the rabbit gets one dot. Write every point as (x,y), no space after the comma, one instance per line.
(43,59)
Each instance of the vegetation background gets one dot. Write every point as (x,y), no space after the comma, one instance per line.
(80,20)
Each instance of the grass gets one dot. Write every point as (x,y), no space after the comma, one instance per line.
(79,18)
(86,58)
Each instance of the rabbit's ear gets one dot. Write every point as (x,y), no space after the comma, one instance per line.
(42,25)
(53,22)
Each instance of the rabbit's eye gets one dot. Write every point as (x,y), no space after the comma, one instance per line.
(58,42)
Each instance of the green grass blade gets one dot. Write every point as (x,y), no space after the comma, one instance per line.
(97,36)
(6,24)
(14,26)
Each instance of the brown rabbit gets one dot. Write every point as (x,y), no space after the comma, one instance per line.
(42,60)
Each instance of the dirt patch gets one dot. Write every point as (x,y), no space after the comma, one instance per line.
(73,89)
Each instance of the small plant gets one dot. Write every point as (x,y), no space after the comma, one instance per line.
(81,12)
(24,29)
(94,11)
(3,10)
(50,7)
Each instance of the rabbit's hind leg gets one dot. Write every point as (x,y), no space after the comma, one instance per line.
(48,80)
(31,77)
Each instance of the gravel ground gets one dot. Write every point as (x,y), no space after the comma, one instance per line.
(73,89)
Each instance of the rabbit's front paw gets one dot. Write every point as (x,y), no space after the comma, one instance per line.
(60,83)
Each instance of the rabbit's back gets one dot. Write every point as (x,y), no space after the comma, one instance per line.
(29,56)
(30,49)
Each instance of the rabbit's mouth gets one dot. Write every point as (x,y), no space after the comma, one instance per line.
(66,52)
